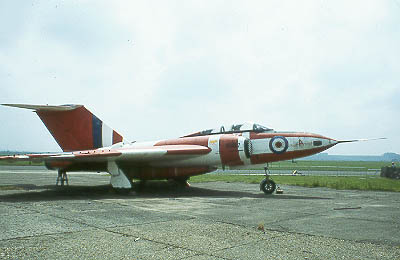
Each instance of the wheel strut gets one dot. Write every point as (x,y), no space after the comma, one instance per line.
(62,178)
(267,185)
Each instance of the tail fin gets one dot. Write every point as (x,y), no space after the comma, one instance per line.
(74,127)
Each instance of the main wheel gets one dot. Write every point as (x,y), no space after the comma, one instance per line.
(267,186)
(182,182)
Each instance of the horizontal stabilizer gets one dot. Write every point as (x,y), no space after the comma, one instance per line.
(44,107)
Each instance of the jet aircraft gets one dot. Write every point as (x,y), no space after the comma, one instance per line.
(90,145)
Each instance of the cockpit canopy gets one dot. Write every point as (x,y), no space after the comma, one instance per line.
(235,128)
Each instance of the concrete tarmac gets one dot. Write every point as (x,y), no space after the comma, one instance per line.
(88,220)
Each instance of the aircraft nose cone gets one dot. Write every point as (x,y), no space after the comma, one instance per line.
(322,141)
(328,141)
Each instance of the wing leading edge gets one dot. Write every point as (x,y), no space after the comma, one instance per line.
(147,154)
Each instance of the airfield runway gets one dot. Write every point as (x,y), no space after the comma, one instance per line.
(87,220)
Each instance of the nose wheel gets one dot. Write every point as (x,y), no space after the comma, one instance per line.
(267,185)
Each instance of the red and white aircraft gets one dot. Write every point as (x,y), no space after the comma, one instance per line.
(90,145)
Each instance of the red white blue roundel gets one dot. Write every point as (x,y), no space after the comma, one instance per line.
(278,144)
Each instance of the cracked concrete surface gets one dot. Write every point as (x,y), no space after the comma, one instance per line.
(87,220)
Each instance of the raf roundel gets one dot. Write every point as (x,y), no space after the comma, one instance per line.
(278,144)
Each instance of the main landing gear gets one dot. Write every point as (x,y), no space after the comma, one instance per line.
(267,185)
(182,182)
(62,178)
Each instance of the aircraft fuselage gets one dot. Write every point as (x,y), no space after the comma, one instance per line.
(233,150)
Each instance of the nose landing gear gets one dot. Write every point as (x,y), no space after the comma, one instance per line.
(267,185)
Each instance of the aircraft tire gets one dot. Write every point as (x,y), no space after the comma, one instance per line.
(182,182)
(267,186)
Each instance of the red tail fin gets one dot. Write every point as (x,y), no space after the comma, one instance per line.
(74,127)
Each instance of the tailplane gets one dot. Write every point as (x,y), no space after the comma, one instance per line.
(74,127)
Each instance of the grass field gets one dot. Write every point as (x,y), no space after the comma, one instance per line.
(21,163)
(327,165)
(339,183)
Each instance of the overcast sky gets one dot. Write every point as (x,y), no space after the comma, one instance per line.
(163,69)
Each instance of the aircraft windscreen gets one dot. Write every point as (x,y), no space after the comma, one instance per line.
(260,128)
(249,127)
(236,128)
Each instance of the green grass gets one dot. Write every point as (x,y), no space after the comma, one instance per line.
(339,183)
(326,165)
(21,163)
